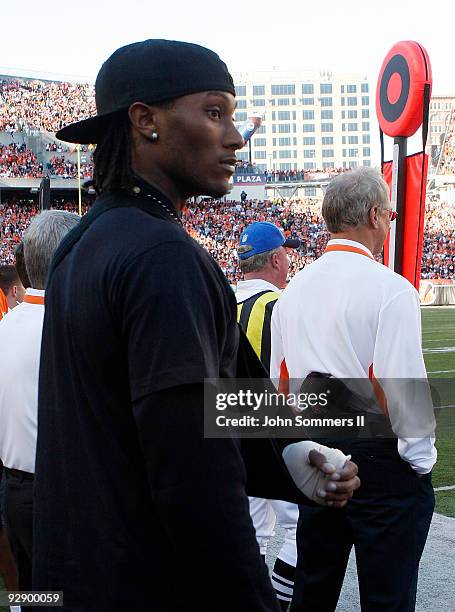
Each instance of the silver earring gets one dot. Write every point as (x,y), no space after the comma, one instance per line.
(154,136)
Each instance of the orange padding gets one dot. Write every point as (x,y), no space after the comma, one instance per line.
(378,391)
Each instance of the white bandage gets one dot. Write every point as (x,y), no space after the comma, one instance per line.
(308,478)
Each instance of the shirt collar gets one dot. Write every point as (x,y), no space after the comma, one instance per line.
(37,292)
(142,187)
(352,243)
(247,288)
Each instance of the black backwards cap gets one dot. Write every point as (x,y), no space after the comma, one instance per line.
(149,71)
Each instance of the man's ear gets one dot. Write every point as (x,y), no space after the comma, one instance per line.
(374,216)
(144,119)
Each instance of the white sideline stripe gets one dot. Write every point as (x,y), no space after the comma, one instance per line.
(440,371)
(449,488)
(442,349)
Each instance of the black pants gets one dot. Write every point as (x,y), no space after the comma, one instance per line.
(18,515)
(387,522)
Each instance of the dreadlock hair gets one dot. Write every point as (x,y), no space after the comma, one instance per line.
(112,156)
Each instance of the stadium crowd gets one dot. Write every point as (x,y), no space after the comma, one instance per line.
(27,105)
(17,161)
(447,160)
(217,225)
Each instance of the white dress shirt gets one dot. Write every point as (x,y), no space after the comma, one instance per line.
(20,341)
(344,313)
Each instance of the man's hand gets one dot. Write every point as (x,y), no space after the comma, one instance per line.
(339,484)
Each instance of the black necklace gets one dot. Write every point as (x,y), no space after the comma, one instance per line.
(164,206)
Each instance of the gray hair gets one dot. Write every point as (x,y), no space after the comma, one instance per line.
(256,263)
(41,240)
(350,197)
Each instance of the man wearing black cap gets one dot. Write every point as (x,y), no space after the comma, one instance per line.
(135,509)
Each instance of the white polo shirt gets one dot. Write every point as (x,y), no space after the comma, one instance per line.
(344,313)
(20,341)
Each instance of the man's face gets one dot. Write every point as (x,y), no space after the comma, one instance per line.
(283,260)
(197,143)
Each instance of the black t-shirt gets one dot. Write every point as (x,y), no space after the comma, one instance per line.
(136,310)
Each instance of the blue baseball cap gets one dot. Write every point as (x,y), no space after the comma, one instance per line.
(263,236)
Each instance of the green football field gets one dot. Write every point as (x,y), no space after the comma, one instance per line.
(438,328)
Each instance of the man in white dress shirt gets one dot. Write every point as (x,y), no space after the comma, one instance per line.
(350,317)
(20,339)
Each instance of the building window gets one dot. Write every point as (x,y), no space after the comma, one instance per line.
(309,140)
(284,154)
(352,100)
(353,152)
(364,87)
(241,104)
(366,152)
(284,115)
(240,90)
(327,140)
(283,90)
(284,142)
(259,102)
(326,127)
(283,102)
(261,167)
(308,127)
(308,153)
(353,140)
(258,90)
(343,101)
(308,88)
(260,142)
(326,102)
(352,127)
(284,128)
(327,114)
(352,114)
(365,100)
(261,130)
(285,166)
(365,139)
(260,155)
(367,163)
(309,166)
(328,153)
(325,88)
(326,166)
(308,115)
(351,88)
(242,156)
(365,113)
(366,126)
(308,101)
(240,116)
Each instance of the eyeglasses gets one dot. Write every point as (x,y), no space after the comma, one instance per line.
(392,214)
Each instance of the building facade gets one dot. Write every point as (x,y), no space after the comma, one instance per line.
(313,120)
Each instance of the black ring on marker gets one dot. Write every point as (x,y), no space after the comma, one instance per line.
(392,112)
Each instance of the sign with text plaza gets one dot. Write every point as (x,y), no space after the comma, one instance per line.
(249,179)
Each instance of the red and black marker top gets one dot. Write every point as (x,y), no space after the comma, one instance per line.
(400,91)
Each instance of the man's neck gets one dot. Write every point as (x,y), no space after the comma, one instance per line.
(359,235)
(261,276)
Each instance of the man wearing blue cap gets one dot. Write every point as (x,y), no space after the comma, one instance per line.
(264,263)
